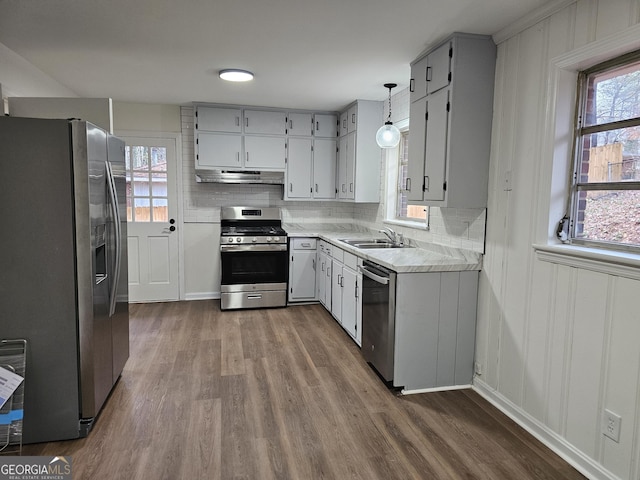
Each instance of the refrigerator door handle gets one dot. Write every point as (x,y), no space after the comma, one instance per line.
(113,198)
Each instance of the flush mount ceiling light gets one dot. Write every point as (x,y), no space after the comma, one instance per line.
(388,135)
(235,75)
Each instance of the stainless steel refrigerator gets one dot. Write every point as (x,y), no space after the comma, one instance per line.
(63,268)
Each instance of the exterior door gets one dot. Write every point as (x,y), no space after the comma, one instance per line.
(152,219)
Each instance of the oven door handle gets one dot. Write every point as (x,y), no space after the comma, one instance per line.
(254,248)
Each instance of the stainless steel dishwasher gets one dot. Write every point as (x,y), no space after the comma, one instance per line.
(378,318)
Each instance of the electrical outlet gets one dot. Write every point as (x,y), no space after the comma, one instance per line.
(477,367)
(611,425)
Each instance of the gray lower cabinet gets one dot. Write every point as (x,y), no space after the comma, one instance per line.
(302,270)
(435,329)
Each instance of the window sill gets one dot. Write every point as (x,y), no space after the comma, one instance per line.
(620,264)
(407,223)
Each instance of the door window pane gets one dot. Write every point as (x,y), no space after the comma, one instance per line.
(147,183)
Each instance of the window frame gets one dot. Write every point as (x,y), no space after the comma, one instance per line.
(393,185)
(581,131)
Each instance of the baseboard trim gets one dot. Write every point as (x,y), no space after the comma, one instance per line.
(202,296)
(581,462)
(435,389)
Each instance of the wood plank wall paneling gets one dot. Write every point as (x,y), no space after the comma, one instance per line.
(553,340)
(284,394)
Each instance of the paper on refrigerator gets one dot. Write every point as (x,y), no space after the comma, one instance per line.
(9,382)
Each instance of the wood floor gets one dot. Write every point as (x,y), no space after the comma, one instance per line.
(284,394)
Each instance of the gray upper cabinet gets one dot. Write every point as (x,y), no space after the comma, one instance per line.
(451,123)
(325,125)
(264,122)
(299,124)
(214,119)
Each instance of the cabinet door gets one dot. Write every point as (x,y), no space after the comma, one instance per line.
(350,166)
(418,82)
(214,119)
(344,124)
(299,168)
(341,184)
(325,125)
(218,150)
(264,152)
(328,294)
(320,274)
(264,122)
(415,169)
(324,168)
(352,120)
(299,124)
(438,68)
(436,145)
(349,301)
(337,283)
(302,278)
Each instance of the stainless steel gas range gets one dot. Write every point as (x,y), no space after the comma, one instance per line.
(253,248)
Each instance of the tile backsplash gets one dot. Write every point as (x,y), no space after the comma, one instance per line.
(461,228)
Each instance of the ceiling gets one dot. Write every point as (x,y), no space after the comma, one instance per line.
(319,54)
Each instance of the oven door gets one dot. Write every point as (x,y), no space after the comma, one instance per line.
(254,276)
(254,264)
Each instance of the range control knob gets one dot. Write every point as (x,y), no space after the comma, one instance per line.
(276,239)
(268,239)
(239,240)
(230,240)
(254,239)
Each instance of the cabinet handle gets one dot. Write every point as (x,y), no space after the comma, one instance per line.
(316,188)
(305,244)
(353,118)
(412,85)
(428,77)
(425,187)
(356,290)
(291,187)
(407,185)
(238,157)
(339,282)
(317,126)
(246,122)
(237,121)
(313,263)
(322,268)
(351,187)
(247,159)
(290,124)
(344,122)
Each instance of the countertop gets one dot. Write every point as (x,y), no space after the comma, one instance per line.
(421,257)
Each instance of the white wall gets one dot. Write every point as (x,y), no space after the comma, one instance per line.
(19,78)
(557,344)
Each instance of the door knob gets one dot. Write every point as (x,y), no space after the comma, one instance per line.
(172,228)
(172,221)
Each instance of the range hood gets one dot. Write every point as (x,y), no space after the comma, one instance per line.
(239,176)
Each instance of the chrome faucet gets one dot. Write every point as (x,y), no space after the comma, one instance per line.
(395,238)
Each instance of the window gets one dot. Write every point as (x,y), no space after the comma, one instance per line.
(404,210)
(147,198)
(606,176)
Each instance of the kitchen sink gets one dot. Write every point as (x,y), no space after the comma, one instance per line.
(367,243)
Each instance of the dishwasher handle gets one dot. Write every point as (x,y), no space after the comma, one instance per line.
(373,276)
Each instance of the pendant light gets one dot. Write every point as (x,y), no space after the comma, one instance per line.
(388,135)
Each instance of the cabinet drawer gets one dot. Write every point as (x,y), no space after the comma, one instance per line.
(303,243)
(350,260)
(337,254)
